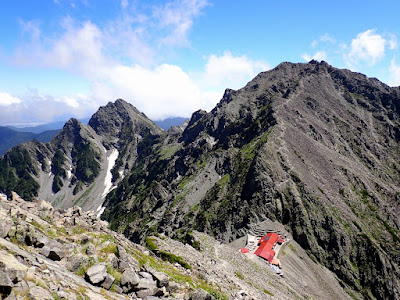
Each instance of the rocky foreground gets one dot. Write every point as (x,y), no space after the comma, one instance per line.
(48,253)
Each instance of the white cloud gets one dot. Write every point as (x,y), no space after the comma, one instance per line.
(38,108)
(326,38)
(118,62)
(166,90)
(392,42)
(368,46)
(177,16)
(394,73)
(231,71)
(124,4)
(320,55)
(6,99)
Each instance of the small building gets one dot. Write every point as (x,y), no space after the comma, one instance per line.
(271,237)
(265,251)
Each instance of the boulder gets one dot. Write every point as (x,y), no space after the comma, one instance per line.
(96,274)
(41,242)
(112,259)
(54,251)
(129,280)
(9,264)
(173,286)
(85,239)
(91,250)
(6,223)
(6,285)
(77,261)
(39,293)
(161,278)
(127,261)
(200,294)
(108,281)
(147,286)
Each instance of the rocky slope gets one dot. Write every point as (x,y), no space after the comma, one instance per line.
(48,253)
(82,162)
(311,146)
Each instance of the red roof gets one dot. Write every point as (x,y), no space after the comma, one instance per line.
(270,238)
(265,251)
(244,250)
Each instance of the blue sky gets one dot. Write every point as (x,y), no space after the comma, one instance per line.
(63,58)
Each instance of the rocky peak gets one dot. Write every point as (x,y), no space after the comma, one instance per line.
(72,133)
(115,120)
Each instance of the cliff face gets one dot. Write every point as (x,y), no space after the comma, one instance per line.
(309,145)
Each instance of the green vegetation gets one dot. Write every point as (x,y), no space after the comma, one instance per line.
(82,270)
(115,273)
(268,292)
(168,152)
(57,169)
(111,248)
(87,167)
(166,256)
(239,275)
(16,168)
(390,229)
(177,276)
(84,197)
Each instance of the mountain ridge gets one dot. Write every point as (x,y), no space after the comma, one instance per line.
(310,146)
(292,146)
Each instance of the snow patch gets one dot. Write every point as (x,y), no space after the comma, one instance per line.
(111,162)
(49,161)
(69,172)
(100,211)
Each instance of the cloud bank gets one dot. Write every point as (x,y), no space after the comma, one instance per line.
(123,59)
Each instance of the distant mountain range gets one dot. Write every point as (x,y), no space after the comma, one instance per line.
(11,136)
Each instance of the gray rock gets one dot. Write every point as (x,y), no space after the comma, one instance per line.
(126,261)
(146,275)
(108,281)
(118,289)
(6,223)
(173,286)
(5,284)
(154,291)
(200,294)
(129,280)
(112,259)
(161,278)
(54,252)
(77,261)
(96,274)
(84,239)
(39,293)
(14,268)
(23,286)
(147,287)
(41,242)
(91,250)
